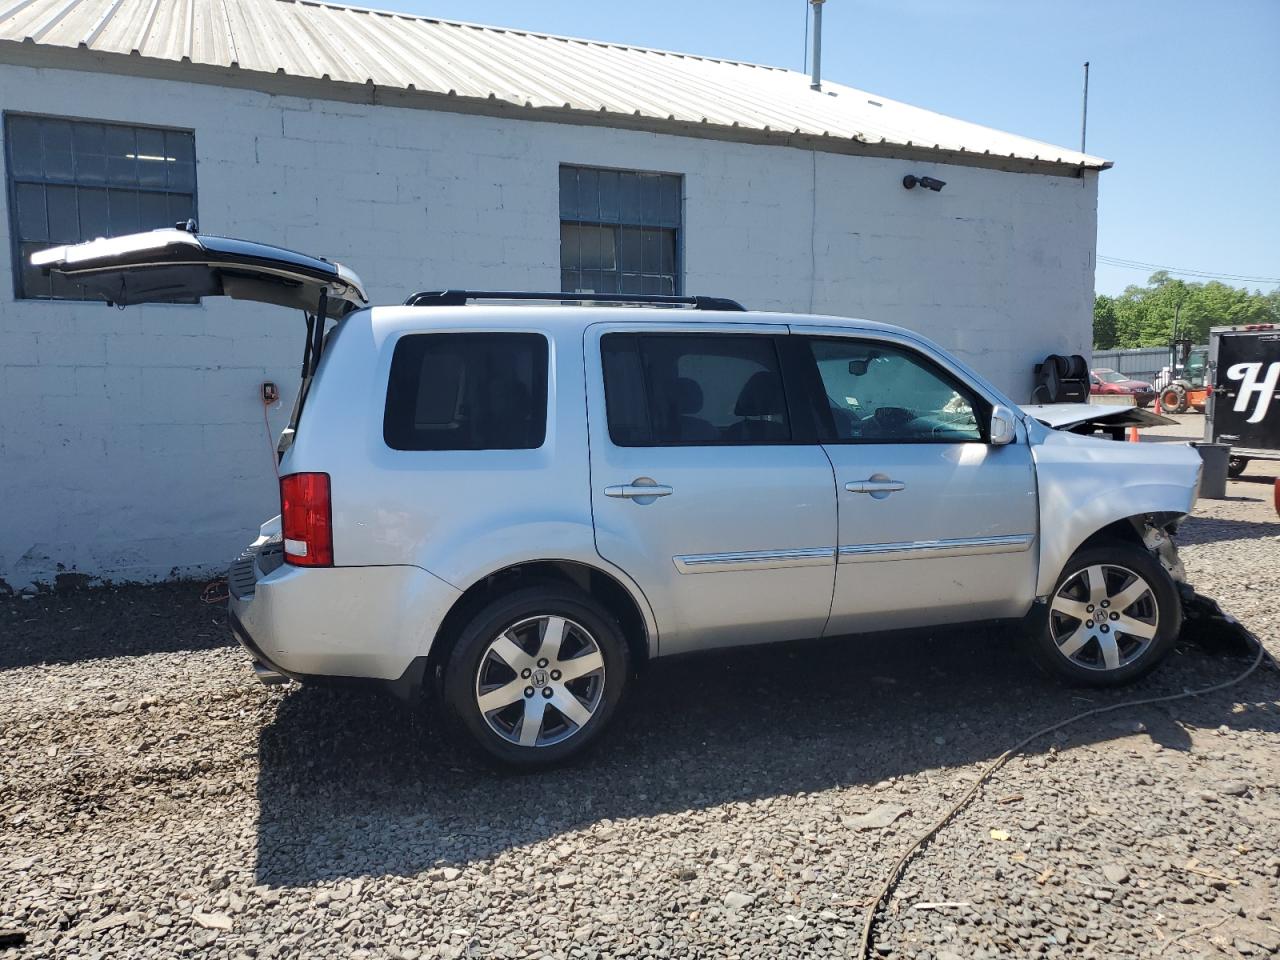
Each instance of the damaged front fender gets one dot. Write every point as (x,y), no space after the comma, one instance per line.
(1088,484)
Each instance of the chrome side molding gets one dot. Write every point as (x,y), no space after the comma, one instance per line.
(755,560)
(853,553)
(971,546)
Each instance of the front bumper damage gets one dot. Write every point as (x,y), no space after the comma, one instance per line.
(1157,533)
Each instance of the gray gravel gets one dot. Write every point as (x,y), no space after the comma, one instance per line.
(155,801)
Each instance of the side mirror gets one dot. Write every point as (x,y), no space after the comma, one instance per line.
(1004,426)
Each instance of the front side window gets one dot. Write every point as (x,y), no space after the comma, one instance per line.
(74,180)
(467,391)
(693,390)
(619,231)
(878,393)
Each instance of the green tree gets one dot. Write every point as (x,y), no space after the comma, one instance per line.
(1104,322)
(1144,316)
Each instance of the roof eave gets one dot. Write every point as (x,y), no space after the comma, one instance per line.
(81,58)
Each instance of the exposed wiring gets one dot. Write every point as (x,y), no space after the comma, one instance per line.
(1155,267)
(895,872)
(271,447)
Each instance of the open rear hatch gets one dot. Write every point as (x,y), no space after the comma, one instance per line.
(179,264)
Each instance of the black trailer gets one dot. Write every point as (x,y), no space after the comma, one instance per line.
(1244,404)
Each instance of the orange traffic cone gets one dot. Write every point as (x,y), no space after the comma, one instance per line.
(1133,435)
(1159,409)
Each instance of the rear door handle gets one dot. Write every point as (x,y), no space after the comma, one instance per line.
(875,486)
(638,489)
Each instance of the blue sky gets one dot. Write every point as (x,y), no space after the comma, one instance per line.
(1184,96)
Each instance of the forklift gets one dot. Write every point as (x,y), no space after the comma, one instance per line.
(1188,386)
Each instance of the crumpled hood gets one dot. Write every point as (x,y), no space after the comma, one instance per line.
(1064,416)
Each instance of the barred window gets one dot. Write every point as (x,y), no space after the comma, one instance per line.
(619,231)
(74,180)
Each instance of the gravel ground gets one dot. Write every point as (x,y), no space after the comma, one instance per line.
(155,801)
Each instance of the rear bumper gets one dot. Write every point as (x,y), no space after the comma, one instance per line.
(335,623)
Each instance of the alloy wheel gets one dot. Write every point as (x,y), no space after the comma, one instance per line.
(540,681)
(1104,617)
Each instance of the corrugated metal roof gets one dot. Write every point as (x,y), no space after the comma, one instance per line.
(326,41)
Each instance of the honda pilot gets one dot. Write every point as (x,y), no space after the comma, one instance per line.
(509,503)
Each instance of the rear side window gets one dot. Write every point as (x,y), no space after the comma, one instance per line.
(693,390)
(467,391)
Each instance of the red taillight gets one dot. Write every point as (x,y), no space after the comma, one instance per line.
(306,519)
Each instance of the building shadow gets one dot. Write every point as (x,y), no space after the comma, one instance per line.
(102,623)
(353,784)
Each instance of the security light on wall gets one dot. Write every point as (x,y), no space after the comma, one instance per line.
(929,183)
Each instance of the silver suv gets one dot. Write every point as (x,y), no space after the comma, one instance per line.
(517,505)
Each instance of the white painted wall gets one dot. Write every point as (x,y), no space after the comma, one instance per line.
(132,443)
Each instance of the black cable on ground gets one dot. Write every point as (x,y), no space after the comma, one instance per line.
(895,872)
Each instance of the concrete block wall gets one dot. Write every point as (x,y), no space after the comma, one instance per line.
(133,444)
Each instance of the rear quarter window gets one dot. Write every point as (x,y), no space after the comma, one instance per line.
(467,391)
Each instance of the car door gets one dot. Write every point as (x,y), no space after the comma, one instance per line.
(708,487)
(936,525)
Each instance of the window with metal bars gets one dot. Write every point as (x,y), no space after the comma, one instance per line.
(73,180)
(619,231)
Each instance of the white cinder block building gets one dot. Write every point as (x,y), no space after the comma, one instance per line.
(428,155)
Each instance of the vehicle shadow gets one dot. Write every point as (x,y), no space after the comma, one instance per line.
(71,626)
(1265,483)
(353,784)
(1217,530)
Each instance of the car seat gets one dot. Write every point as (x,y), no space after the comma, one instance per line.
(688,403)
(760,399)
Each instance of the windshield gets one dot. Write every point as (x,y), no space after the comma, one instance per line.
(1110,376)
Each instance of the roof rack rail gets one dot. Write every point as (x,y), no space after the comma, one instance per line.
(458,298)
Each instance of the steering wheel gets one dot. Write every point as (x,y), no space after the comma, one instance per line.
(893,421)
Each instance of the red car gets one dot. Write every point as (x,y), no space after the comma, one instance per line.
(1103,380)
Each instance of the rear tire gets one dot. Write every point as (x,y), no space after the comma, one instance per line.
(1236,466)
(536,675)
(1113,616)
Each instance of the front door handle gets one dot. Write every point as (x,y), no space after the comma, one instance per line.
(879,486)
(641,489)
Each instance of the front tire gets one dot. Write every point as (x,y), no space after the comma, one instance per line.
(536,675)
(1236,466)
(1173,399)
(1113,616)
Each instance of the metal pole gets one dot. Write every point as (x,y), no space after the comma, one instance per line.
(806,37)
(1084,113)
(817,44)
